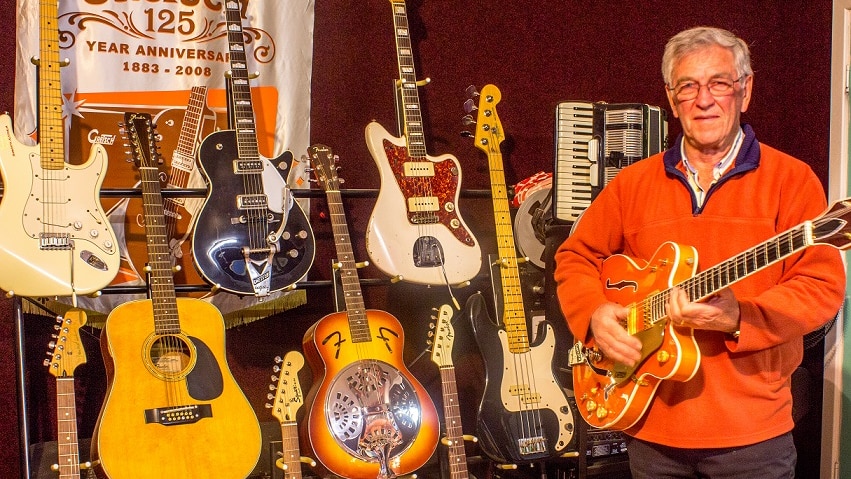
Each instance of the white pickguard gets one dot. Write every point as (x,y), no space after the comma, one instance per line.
(390,236)
(64,201)
(536,379)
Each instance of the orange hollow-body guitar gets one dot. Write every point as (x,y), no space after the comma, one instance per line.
(172,409)
(612,395)
(368,417)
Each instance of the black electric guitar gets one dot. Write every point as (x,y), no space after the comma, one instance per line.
(441,354)
(368,417)
(67,353)
(251,236)
(172,407)
(56,239)
(524,414)
(415,231)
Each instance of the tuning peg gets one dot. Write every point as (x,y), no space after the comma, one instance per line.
(472,91)
(467,134)
(470,106)
(468,120)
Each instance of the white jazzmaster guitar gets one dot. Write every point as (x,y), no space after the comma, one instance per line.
(415,231)
(56,239)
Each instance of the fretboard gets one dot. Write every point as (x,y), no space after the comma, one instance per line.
(454,431)
(720,276)
(358,323)
(183,161)
(166,320)
(514,315)
(51,129)
(66,414)
(292,454)
(412,115)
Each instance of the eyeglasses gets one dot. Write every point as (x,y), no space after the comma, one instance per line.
(689,90)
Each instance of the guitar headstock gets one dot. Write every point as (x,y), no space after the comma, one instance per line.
(324,166)
(141,139)
(488,134)
(443,338)
(288,397)
(67,348)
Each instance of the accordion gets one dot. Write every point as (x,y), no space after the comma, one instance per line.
(593,142)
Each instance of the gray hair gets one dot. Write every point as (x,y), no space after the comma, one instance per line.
(697,38)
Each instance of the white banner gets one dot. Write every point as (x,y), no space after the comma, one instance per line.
(135,55)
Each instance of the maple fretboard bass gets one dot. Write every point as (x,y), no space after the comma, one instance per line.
(416,231)
(172,408)
(368,417)
(524,414)
(56,238)
(611,395)
(251,236)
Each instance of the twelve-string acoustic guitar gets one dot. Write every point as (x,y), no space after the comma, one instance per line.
(172,407)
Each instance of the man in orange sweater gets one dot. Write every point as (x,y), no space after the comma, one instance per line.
(717,389)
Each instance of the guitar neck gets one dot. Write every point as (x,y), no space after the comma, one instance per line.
(514,315)
(66,413)
(452,416)
(358,322)
(51,129)
(409,94)
(292,454)
(706,283)
(243,110)
(183,160)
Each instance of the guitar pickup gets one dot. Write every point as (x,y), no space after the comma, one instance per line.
(245,167)
(54,241)
(525,395)
(419,168)
(251,202)
(173,416)
(418,204)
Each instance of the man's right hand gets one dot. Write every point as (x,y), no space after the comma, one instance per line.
(610,335)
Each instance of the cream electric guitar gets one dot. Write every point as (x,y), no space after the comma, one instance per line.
(56,238)
(415,231)
(288,400)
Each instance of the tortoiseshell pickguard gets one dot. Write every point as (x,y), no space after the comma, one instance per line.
(443,185)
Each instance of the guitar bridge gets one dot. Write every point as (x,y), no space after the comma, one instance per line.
(532,445)
(54,241)
(173,416)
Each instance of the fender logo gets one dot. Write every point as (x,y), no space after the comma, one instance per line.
(622,285)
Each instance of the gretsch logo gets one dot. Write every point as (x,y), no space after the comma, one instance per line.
(621,285)
(96,138)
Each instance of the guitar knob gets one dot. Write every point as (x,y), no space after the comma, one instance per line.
(602,413)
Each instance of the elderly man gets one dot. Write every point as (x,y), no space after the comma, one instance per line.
(720,192)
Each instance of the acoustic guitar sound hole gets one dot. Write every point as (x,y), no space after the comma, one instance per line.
(170,357)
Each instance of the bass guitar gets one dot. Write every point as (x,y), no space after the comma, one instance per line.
(415,231)
(172,407)
(368,417)
(612,395)
(288,400)
(67,353)
(56,238)
(524,414)
(441,354)
(179,213)
(251,236)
